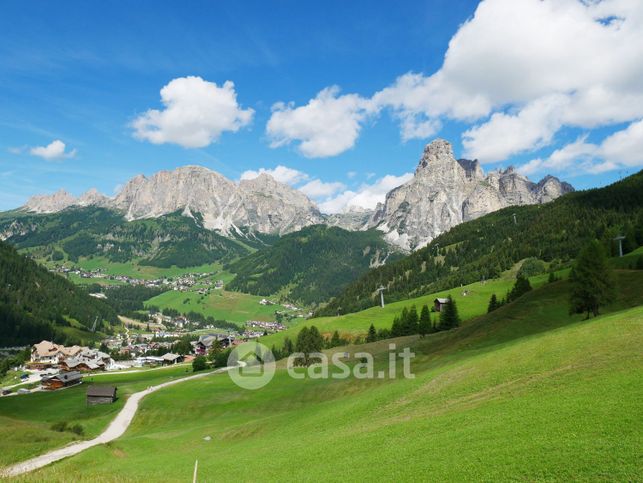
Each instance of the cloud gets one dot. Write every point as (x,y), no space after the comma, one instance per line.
(622,149)
(507,134)
(366,197)
(327,126)
(54,150)
(196,113)
(523,69)
(281,173)
(320,189)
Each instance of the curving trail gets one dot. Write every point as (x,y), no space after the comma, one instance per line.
(115,429)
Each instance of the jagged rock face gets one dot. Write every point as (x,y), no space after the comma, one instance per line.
(50,203)
(93,198)
(355,219)
(262,204)
(191,189)
(268,206)
(445,192)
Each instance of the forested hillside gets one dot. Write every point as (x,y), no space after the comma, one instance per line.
(311,265)
(36,304)
(161,242)
(483,248)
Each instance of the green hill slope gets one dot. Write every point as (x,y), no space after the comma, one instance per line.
(97,232)
(36,304)
(525,393)
(311,265)
(484,248)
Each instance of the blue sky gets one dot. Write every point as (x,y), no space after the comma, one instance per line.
(82,73)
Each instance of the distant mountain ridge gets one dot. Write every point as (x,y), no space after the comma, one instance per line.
(443,193)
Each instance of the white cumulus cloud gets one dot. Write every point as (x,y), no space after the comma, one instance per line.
(281,173)
(533,66)
(54,150)
(622,149)
(327,126)
(320,189)
(195,115)
(367,196)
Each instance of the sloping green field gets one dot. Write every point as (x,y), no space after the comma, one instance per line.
(473,304)
(525,393)
(221,304)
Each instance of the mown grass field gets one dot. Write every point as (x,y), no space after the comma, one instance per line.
(25,420)
(474,303)
(221,304)
(525,393)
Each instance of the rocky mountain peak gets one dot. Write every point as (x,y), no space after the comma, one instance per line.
(436,152)
(445,192)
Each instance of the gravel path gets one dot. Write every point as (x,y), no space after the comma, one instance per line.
(116,429)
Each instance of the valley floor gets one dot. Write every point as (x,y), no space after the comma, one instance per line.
(524,393)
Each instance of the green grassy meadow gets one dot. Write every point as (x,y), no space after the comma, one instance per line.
(25,420)
(221,304)
(527,392)
(356,324)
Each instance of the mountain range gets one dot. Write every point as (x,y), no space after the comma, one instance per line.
(443,193)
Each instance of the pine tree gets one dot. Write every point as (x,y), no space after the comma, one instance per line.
(335,340)
(396,328)
(425,327)
(372,334)
(288,347)
(520,288)
(412,319)
(493,303)
(449,317)
(592,282)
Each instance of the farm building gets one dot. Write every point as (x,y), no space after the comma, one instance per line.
(439,303)
(101,394)
(170,358)
(63,379)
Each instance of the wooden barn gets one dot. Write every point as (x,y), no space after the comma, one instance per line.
(63,379)
(101,394)
(439,303)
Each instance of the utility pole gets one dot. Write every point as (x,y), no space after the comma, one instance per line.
(515,222)
(620,239)
(196,469)
(381,289)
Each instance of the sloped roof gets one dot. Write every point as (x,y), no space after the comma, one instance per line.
(66,376)
(101,391)
(442,300)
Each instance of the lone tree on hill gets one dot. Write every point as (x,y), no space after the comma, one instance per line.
(449,317)
(591,279)
(372,334)
(425,327)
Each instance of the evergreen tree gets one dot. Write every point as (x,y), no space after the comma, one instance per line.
(288,347)
(520,288)
(396,328)
(335,340)
(412,319)
(493,303)
(591,278)
(199,363)
(372,334)
(425,327)
(449,317)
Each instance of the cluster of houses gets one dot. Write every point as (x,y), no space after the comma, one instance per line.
(181,283)
(269,326)
(46,354)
